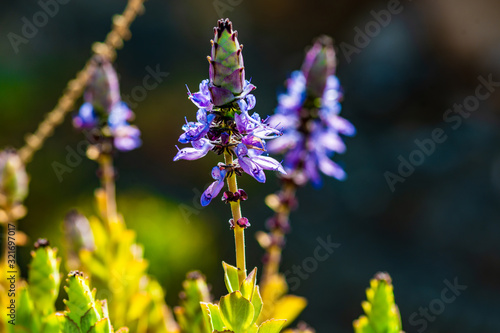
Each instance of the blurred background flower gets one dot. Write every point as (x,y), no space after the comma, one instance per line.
(399,80)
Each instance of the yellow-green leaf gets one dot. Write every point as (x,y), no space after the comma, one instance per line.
(272,326)
(237,312)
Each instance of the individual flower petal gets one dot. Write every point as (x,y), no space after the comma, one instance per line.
(330,168)
(252,169)
(126,137)
(86,117)
(248,165)
(311,171)
(214,189)
(119,115)
(202,98)
(196,131)
(200,149)
(268,163)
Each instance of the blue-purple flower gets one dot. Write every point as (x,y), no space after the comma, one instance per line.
(213,190)
(223,123)
(309,114)
(104,110)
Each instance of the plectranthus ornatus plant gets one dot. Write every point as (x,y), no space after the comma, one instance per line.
(85,313)
(104,118)
(13,191)
(36,310)
(381,312)
(105,248)
(189,314)
(225,127)
(308,112)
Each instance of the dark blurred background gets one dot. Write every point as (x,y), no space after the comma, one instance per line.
(441,223)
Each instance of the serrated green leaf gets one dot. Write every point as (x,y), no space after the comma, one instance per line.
(257,303)
(89,319)
(248,285)
(382,314)
(80,298)
(67,325)
(44,279)
(237,312)
(231,277)
(272,326)
(102,326)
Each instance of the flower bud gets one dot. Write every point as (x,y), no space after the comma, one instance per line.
(318,65)
(13,178)
(227,74)
(103,90)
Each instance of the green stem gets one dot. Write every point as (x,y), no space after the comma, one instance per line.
(239,232)
(271,267)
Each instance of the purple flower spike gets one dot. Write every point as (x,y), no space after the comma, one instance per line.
(104,110)
(224,123)
(213,190)
(309,115)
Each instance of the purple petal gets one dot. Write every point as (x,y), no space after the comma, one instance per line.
(251,101)
(268,163)
(243,105)
(119,115)
(331,141)
(252,169)
(248,88)
(86,118)
(126,137)
(241,150)
(312,171)
(194,153)
(253,141)
(330,168)
(342,125)
(216,173)
(287,141)
(214,189)
(241,123)
(201,98)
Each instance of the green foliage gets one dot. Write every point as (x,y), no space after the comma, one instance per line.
(239,310)
(381,312)
(35,309)
(189,314)
(35,300)
(85,314)
(278,303)
(118,268)
(44,278)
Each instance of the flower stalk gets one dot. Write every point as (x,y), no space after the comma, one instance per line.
(225,127)
(239,232)
(107,177)
(279,227)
